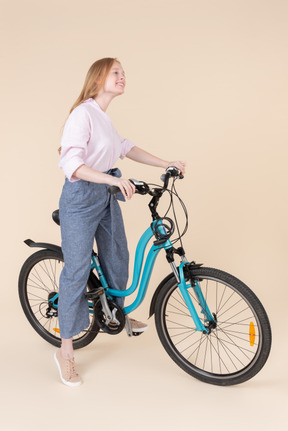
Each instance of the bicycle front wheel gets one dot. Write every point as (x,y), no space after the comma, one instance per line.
(39,283)
(234,350)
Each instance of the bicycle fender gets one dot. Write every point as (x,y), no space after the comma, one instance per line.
(46,245)
(156,293)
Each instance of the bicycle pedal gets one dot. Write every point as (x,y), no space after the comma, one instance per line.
(95,293)
(136,334)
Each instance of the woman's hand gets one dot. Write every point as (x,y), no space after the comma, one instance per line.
(179,165)
(126,187)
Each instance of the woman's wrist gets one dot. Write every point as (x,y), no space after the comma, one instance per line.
(165,164)
(88,174)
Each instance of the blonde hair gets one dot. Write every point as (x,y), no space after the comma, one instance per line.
(94,81)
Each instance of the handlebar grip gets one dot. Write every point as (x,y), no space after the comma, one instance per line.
(140,187)
(171,171)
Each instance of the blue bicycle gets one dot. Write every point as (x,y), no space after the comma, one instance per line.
(209,322)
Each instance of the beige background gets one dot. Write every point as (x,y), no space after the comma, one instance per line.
(207,82)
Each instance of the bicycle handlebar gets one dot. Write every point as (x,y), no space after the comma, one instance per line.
(142,188)
(171,171)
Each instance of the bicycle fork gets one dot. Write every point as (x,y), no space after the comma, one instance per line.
(183,287)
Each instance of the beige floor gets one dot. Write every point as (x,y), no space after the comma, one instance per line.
(131,384)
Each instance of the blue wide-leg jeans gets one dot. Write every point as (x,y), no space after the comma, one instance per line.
(88,211)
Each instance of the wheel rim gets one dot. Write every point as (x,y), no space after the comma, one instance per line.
(42,282)
(231,348)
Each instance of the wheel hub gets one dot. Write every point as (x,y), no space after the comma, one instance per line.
(212,325)
(52,309)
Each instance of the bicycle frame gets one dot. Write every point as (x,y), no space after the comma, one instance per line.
(145,278)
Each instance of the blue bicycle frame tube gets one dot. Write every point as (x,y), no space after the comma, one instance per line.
(183,289)
(146,274)
(139,258)
(96,264)
(147,271)
(203,303)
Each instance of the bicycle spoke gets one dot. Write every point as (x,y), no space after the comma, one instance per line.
(243,349)
(36,285)
(46,271)
(52,277)
(176,323)
(181,312)
(237,323)
(239,332)
(188,347)
(181,303)
(36,297)
(218,308)
(246,340)
(205,353)
(211,361)
(183,333)
(181,341)
(200,342)
(232,294)
(218,353)
(39,278)
(219,357)
(226,348)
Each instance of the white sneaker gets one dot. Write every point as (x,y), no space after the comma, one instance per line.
(137,326)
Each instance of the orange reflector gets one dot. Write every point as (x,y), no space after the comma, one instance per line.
(56,330)
(252,334)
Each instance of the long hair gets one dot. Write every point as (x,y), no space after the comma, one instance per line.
(94,81)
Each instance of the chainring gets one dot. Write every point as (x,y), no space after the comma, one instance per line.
(111,328)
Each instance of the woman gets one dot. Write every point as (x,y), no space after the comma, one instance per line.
(90,146)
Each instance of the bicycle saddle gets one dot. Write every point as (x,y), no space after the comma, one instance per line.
(55,216)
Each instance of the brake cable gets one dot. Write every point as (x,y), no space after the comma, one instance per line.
(174,192)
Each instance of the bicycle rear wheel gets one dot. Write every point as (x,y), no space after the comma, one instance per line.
(235,350)
(38,283)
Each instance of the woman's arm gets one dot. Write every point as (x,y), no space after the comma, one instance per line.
(138,155)
(128,189)
(88,174)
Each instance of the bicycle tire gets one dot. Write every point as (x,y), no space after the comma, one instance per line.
(39,277)
(239,346)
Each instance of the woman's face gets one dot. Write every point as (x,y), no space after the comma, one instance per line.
(115,81)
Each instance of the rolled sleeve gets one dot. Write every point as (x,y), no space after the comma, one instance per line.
(70,161)
(75,138)
(126,146)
